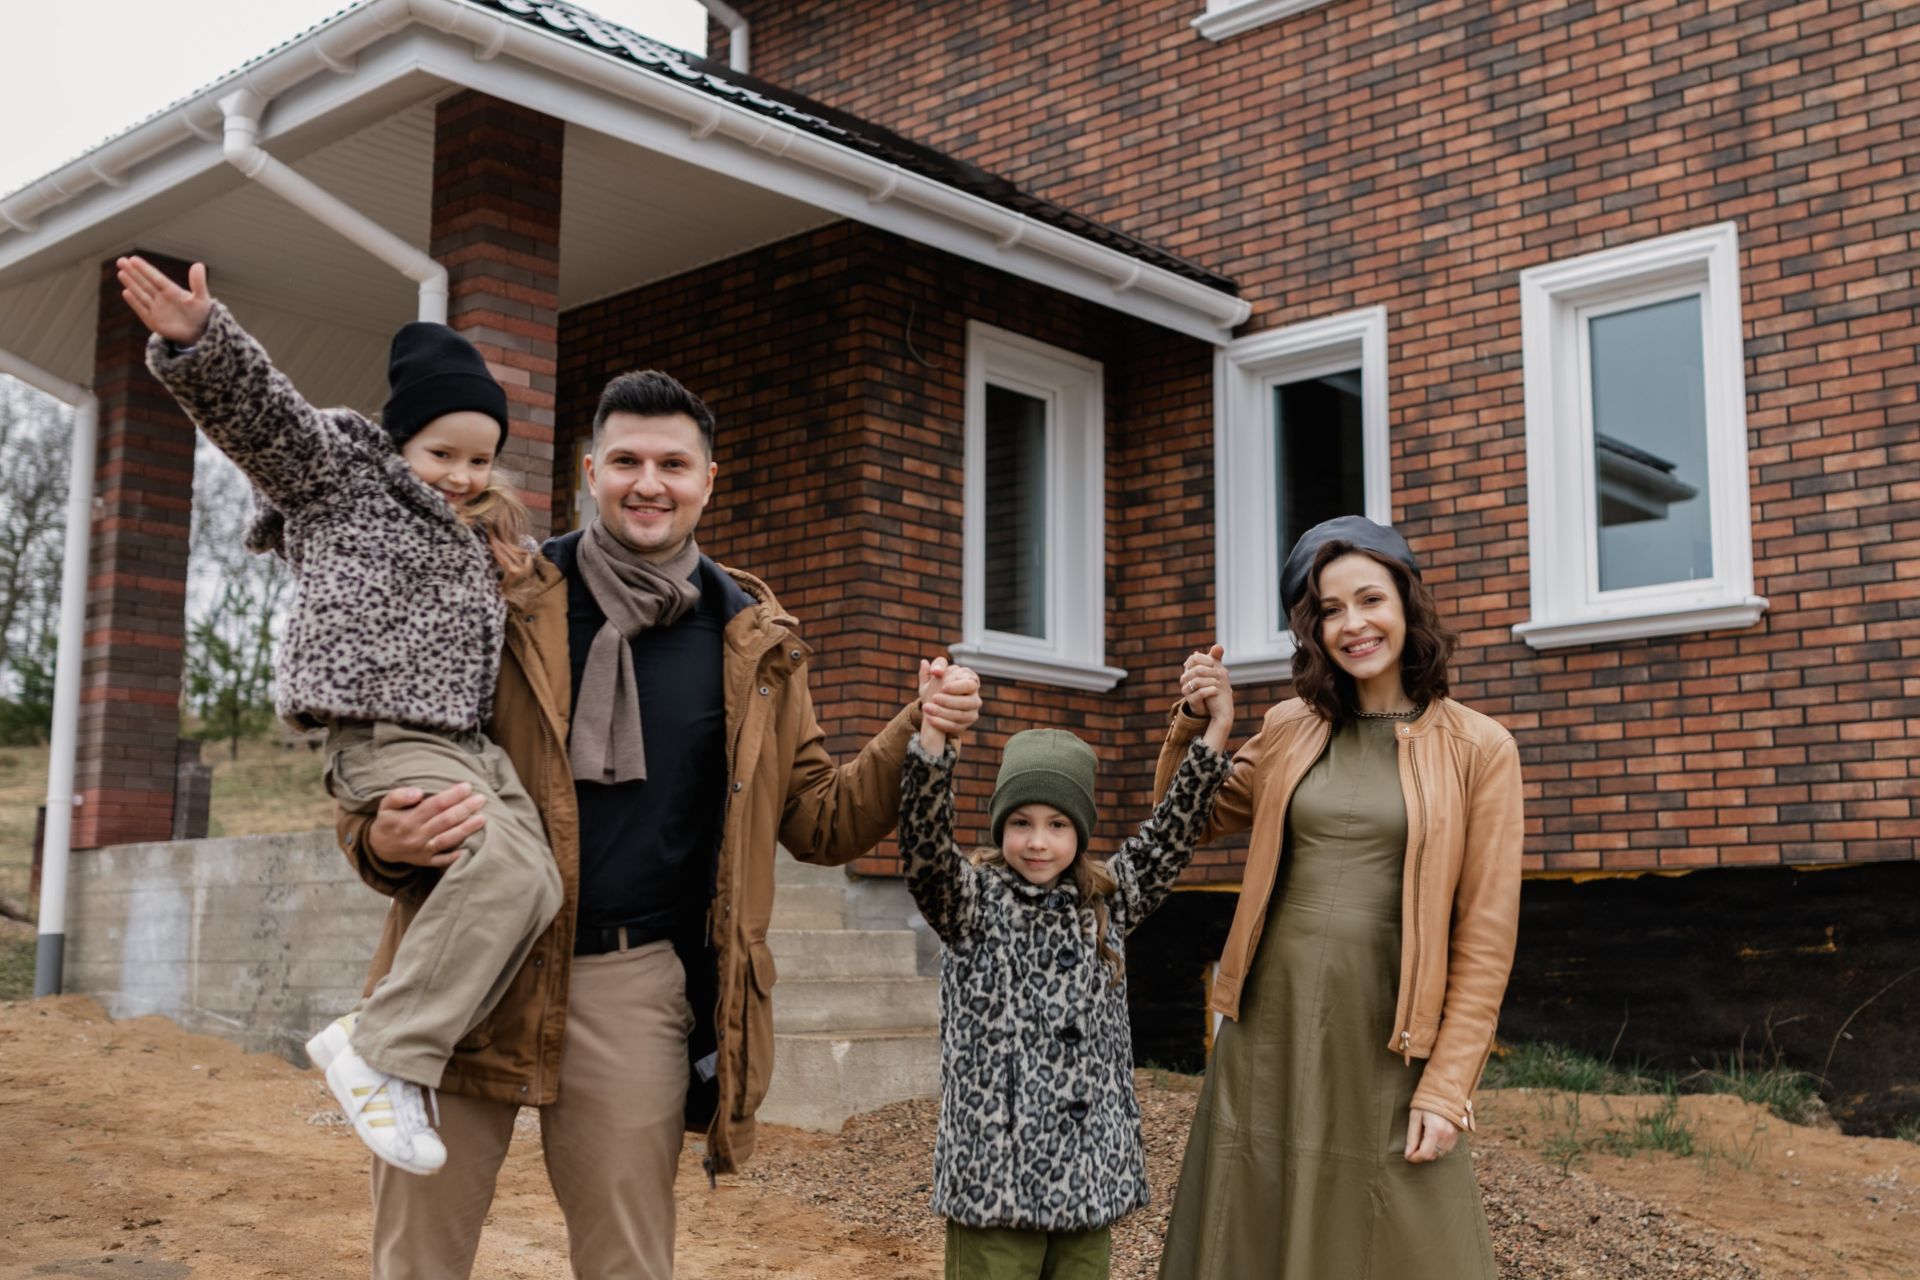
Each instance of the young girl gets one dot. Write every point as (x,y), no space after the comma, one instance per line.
(1039,1149)
(405,556)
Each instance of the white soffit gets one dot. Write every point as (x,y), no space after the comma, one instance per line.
(629,217)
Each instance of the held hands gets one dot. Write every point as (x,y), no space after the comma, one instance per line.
(949,703)
(1208,689)
(176,314)
(1429,1136)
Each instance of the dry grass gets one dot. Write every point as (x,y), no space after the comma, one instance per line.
(267,789)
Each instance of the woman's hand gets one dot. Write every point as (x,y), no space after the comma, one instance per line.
(949,703)
(1429,1136)
(1208,689)
(176,314)
(422,830)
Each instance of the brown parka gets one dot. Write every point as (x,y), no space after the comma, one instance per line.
(783,789)
(1460,894)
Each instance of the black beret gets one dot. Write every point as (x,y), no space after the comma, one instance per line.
(1358,531)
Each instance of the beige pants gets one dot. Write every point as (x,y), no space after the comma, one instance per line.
(474,931)
(612,1140)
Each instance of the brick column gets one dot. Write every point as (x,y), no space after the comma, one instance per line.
(136,589)
(496,228)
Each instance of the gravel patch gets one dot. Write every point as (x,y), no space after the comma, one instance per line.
(1546,1226)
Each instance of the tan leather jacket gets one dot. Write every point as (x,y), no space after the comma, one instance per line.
(785,789)
(1460,907)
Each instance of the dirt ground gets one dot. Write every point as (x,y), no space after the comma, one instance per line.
(131,1149)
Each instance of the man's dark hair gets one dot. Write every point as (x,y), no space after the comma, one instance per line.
(649,393)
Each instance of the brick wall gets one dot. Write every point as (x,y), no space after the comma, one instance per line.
(1420,156)
(835,363)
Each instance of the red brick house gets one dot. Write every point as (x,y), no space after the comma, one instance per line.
(1036,332)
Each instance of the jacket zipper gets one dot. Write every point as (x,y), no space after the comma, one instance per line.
(1419,856)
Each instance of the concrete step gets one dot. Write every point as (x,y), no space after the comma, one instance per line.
(841,1005)
(843,953)
(788,869)
(809,906)
(821,1078)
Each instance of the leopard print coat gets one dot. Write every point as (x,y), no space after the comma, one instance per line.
(1039,1127)
(398,613)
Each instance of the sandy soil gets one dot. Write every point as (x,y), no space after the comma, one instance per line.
(132,1149)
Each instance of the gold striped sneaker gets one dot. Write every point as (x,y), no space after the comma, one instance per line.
(389,1114)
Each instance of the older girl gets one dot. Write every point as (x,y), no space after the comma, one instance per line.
(1369,952)
(1039,1148)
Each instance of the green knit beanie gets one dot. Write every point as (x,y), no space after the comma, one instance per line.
(1046,766)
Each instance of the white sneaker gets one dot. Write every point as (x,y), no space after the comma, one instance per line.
(389,1114)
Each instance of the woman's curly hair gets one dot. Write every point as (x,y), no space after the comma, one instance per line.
(1318,679)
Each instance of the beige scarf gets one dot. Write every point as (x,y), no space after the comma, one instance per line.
(605,745)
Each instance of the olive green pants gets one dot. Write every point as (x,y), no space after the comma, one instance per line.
(1002,1253)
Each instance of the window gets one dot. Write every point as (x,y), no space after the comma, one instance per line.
(1035,576)
(1638,512)
(1225,18)
(1301,437)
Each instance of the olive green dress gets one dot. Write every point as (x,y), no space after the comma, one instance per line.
(1295,1168)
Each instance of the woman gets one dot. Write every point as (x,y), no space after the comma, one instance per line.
(1364,970)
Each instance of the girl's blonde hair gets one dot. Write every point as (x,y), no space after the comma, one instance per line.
(502,520)
(1095,881)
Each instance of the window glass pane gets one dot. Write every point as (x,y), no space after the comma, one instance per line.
(1016,513)
(1319,457)
(1650,445)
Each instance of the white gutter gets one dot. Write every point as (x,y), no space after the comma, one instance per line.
(56,848)
(333,46)
(240,143)
(736,25)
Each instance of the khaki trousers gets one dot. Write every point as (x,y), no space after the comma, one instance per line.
(474,931)
(612,1140)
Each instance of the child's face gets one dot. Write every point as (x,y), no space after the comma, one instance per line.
(454,454)
(1039,842)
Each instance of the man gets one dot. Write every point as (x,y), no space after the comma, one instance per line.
(656,706)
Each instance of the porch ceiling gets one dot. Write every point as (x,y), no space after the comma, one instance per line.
(326,308)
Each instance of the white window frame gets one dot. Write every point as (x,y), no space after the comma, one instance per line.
(1567,607)
(1073,653)
(1247,534)
(1225,18)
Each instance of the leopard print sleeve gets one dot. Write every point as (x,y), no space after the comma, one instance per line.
(1153,858)
(943,883)
(291,451)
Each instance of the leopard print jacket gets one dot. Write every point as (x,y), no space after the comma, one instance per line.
(1039,1128)
(398,613)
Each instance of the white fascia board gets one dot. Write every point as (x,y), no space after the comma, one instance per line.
(1225,18)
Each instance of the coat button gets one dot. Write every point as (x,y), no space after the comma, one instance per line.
(1077,1109)
(763,691)
(794,654)
(1068,957)
(736,786)
(1071,1035)
(539,962)
(523,1088)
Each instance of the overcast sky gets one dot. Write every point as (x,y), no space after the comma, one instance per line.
(75,73)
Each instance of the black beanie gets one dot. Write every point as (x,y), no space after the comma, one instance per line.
(1358,531)
(433,371)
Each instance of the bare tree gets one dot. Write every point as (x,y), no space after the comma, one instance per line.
(35,445)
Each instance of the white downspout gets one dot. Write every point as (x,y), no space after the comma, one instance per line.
(241,145)
(50,953)
(736,25)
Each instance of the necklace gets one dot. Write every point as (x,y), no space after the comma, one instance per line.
(1389,715)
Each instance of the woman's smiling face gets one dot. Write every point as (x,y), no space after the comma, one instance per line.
(1363,623)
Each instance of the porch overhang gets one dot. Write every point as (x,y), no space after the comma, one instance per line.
(662,175)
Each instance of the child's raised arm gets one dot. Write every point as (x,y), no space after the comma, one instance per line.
(938,873)
(231,390)
(1153,858)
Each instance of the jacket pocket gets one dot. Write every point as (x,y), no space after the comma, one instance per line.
(757,1029)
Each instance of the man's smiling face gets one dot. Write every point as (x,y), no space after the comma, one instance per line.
(651,478)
